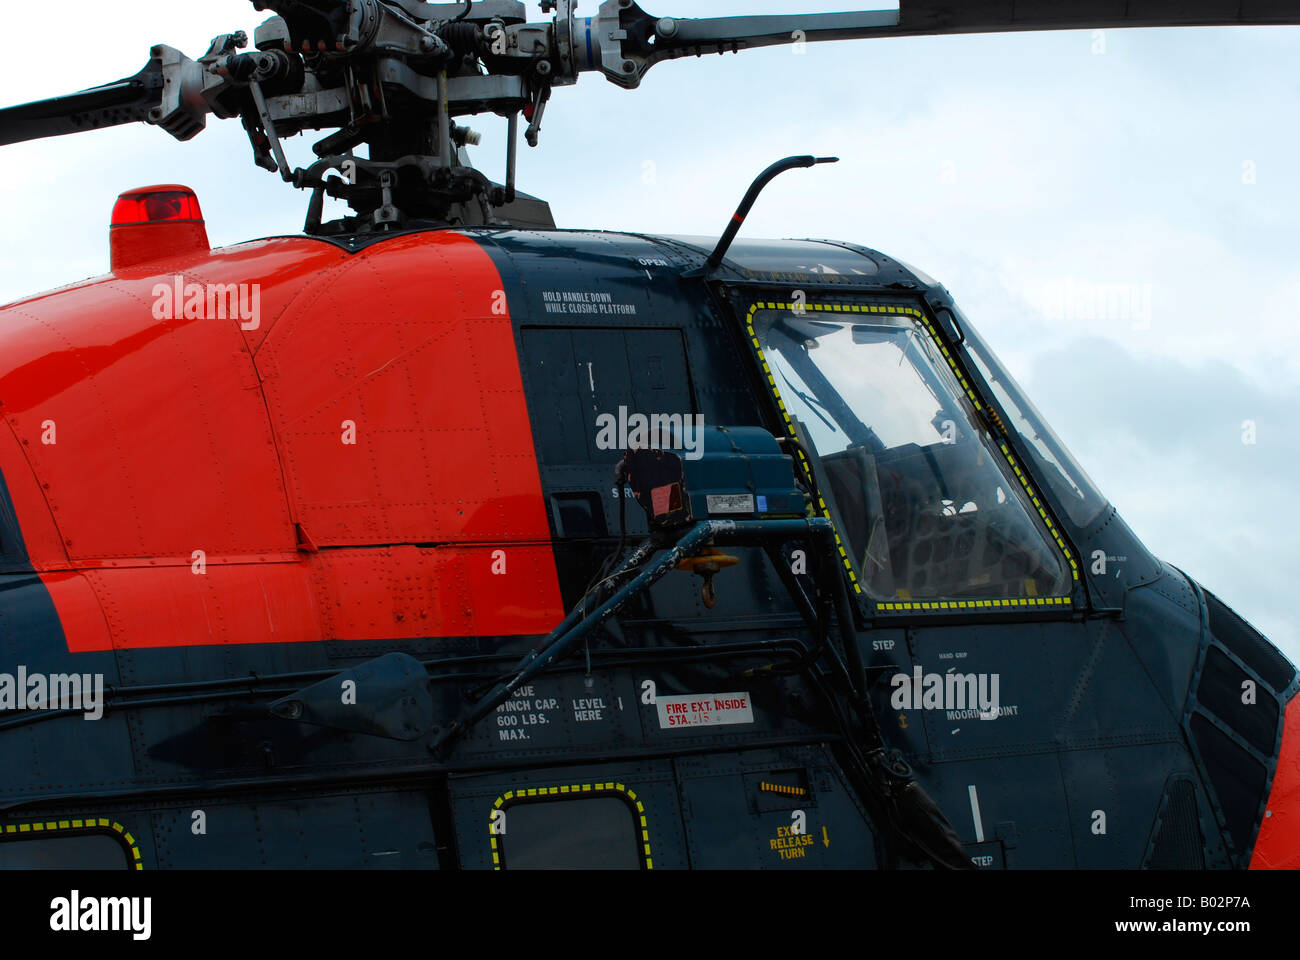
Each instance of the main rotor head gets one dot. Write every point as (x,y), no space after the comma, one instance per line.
(393,76)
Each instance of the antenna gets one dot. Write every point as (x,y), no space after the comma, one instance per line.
(755,188)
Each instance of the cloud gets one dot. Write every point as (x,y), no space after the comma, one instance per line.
(1165,442)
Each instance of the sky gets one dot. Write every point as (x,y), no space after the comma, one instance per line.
(1115,212)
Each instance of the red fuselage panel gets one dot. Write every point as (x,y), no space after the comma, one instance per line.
(396,396)
(147,429)
(357,463)
(1278,844)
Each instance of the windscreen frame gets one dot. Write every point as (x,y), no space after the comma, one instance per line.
(833,306)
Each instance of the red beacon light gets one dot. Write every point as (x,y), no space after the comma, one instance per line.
(150,223)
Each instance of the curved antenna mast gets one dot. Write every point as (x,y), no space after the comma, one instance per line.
(751,195)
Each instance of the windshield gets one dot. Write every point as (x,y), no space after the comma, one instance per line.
(927,503)
(1073,488)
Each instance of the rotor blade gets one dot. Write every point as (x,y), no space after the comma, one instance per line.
(994,16)
(126,101)
(769,30)
(931,17)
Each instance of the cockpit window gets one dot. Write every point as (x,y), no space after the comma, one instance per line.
(929,506)
(1073,488)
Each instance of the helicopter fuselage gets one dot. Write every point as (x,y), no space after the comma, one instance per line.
(231,475)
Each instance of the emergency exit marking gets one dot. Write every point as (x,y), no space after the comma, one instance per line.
(796,841)
(704,710)
(788,844)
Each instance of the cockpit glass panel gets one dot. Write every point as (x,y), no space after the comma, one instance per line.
(1052,461)
(927,503)
(807,258)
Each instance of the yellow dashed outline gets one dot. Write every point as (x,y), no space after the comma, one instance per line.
(592,789)
(1024,482)
(974,604)
(92,825)
(766,787)
(936,605)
